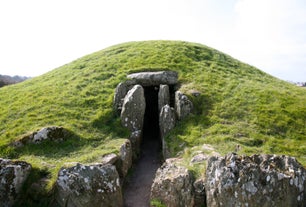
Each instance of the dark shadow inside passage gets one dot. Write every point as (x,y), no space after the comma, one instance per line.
(151,118)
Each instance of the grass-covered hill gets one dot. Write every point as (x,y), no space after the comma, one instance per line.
(238,105)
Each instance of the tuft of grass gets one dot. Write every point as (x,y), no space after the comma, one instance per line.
(238,105)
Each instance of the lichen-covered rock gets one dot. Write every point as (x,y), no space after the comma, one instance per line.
(166,120)
(120,93)
(258,180)
(155,78)
(13,174)
(135,139)
(125,157)
(53,133)
(166,124)
(163,96)
(173,185)
(183,105)
(88,186)
(133,109)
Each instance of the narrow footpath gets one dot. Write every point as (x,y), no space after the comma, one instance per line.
(138,185)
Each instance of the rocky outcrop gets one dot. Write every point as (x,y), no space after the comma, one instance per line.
(13,174)
(258,180)
(133,109)
(173,185)
(154,78)
(163,96)
(183,105)
(87,186)
(52,133)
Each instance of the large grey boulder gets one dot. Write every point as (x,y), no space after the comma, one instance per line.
(52,133)
(163,96)
(154,78)
(88,186)
(183,105)
(258,180)
(120,93)
(173,185)
(133,109)
(13,174)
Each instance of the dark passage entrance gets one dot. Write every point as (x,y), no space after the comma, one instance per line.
(138,185)
(151,119)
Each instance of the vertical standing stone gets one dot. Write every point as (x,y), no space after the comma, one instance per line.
(163,96)
(183,105)
(133,109)
(166,123)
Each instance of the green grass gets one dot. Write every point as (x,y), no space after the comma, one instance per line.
(239,104)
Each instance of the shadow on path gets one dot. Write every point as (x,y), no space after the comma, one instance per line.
(138,184)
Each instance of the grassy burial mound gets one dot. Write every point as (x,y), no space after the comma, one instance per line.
(236,106)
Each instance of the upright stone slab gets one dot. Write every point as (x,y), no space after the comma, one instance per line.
(88,186)
(166,124)
(163,96)
(183,105)
(258,180)
(133,109)
(154,78)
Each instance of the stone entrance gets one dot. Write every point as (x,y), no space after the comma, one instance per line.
(149,104)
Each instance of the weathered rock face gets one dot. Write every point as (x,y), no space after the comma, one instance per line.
(53,133)
(163,96)
(183,105)
(166,120)
(125,156)
(166,124)
(120,93)
(88,185)
(154,78)
(135,139)
(259,180)
(12,176)
(133,109)
(173,185)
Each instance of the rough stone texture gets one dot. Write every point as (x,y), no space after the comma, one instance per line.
(12,176)
(183,105)
(110,159)
(166,120)
(154,78)
(166,123)
(88,185)
(125,157)
(258,180)
(199,193)
(53,133)
(120,93)
(163,96)
(135,139)
(173,185)
(133,109)
(199,158)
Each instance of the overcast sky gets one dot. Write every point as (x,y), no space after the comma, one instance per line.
(39,35)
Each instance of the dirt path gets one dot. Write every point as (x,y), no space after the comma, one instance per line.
(138,185)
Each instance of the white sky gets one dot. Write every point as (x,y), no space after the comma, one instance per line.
(39,35)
